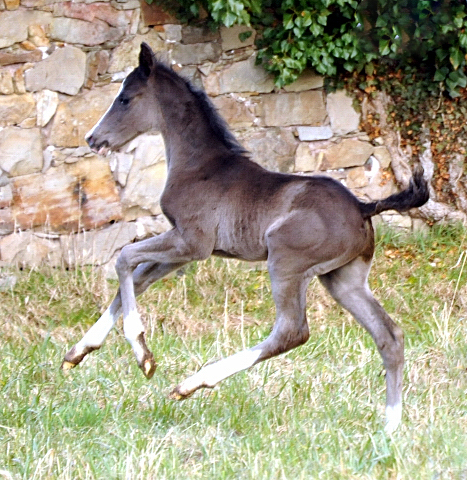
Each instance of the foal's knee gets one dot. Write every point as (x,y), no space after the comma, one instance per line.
(392,347)
(123,261)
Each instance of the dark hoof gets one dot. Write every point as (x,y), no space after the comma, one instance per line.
(175,394)
(65,366)
(149,366)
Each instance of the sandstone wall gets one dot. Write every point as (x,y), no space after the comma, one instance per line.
(61,64)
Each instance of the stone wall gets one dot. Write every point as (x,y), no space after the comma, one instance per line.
(61,64)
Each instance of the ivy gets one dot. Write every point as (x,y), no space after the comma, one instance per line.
(335,37)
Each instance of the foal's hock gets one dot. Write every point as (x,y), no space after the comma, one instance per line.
(219,202)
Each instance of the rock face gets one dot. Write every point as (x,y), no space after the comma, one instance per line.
(62,64)
(64,71)
(67,198)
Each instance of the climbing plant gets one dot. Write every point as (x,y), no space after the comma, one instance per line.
(337,37)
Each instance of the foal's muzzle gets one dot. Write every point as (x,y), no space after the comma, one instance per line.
(101,148)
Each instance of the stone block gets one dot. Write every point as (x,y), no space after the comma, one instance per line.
(243,76)
(27,249)
(356,178)
(303,108)
(383,156)
(73,30)
(154,15)
(15,108)
(307,160)
(194,54)
(309,134)
(125,55)
(147,176)
(237,111)
(308,80)
(273,148)
(14,25)
(20,56)
(67,198)
(77,116)
(193,34)
(47,103)
(342,115)
(6,83)
(347,153)
(64,71)
(7,222)
(96,247)
(231,40)
(20,151)
(92,12)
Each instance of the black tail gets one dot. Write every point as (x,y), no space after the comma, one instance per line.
(415,195)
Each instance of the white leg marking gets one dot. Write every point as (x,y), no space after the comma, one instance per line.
(96,335)
(133,327)
(393,417)
(212,374)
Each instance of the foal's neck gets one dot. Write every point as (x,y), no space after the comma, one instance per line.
(187,134)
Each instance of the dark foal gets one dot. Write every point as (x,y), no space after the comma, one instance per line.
(219,202)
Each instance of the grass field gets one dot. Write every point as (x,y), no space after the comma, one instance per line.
(316,412)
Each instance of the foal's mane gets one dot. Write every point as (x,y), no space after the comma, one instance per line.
(217,124)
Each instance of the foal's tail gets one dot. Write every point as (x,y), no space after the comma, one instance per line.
(415,195)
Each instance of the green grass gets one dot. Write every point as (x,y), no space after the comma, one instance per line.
(316,412)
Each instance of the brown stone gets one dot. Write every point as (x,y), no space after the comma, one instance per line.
(73,197)
(236,111)
(96,247)
(14,25)
(308,80)
(15,108)
(76,117)
(7,222)
(303,108)
(20,151)
(196,53)
(193,34)
(20,56)
(93,11)
(243,76)
(356,178)
(231,37)
(273,148)
(28,249)
(154,15)
(347,153)
(64,71)
(74,30)
(307,160)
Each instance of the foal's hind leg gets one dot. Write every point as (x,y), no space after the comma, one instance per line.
(349,286)
(290,330)
(143,277)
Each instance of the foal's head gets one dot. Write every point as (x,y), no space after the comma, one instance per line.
(135,110)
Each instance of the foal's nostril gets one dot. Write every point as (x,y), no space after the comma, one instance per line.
(90,140)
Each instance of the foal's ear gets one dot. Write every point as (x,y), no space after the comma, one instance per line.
(147,59)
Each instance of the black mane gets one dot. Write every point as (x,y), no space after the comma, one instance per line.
(215,121)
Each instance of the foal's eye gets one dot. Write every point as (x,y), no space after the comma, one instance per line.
(124,101)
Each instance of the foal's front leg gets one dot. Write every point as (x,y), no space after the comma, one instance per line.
(143,276)
(167,248)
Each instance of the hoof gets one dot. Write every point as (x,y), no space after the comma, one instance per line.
(175,394)
(149,367)
(67,365)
